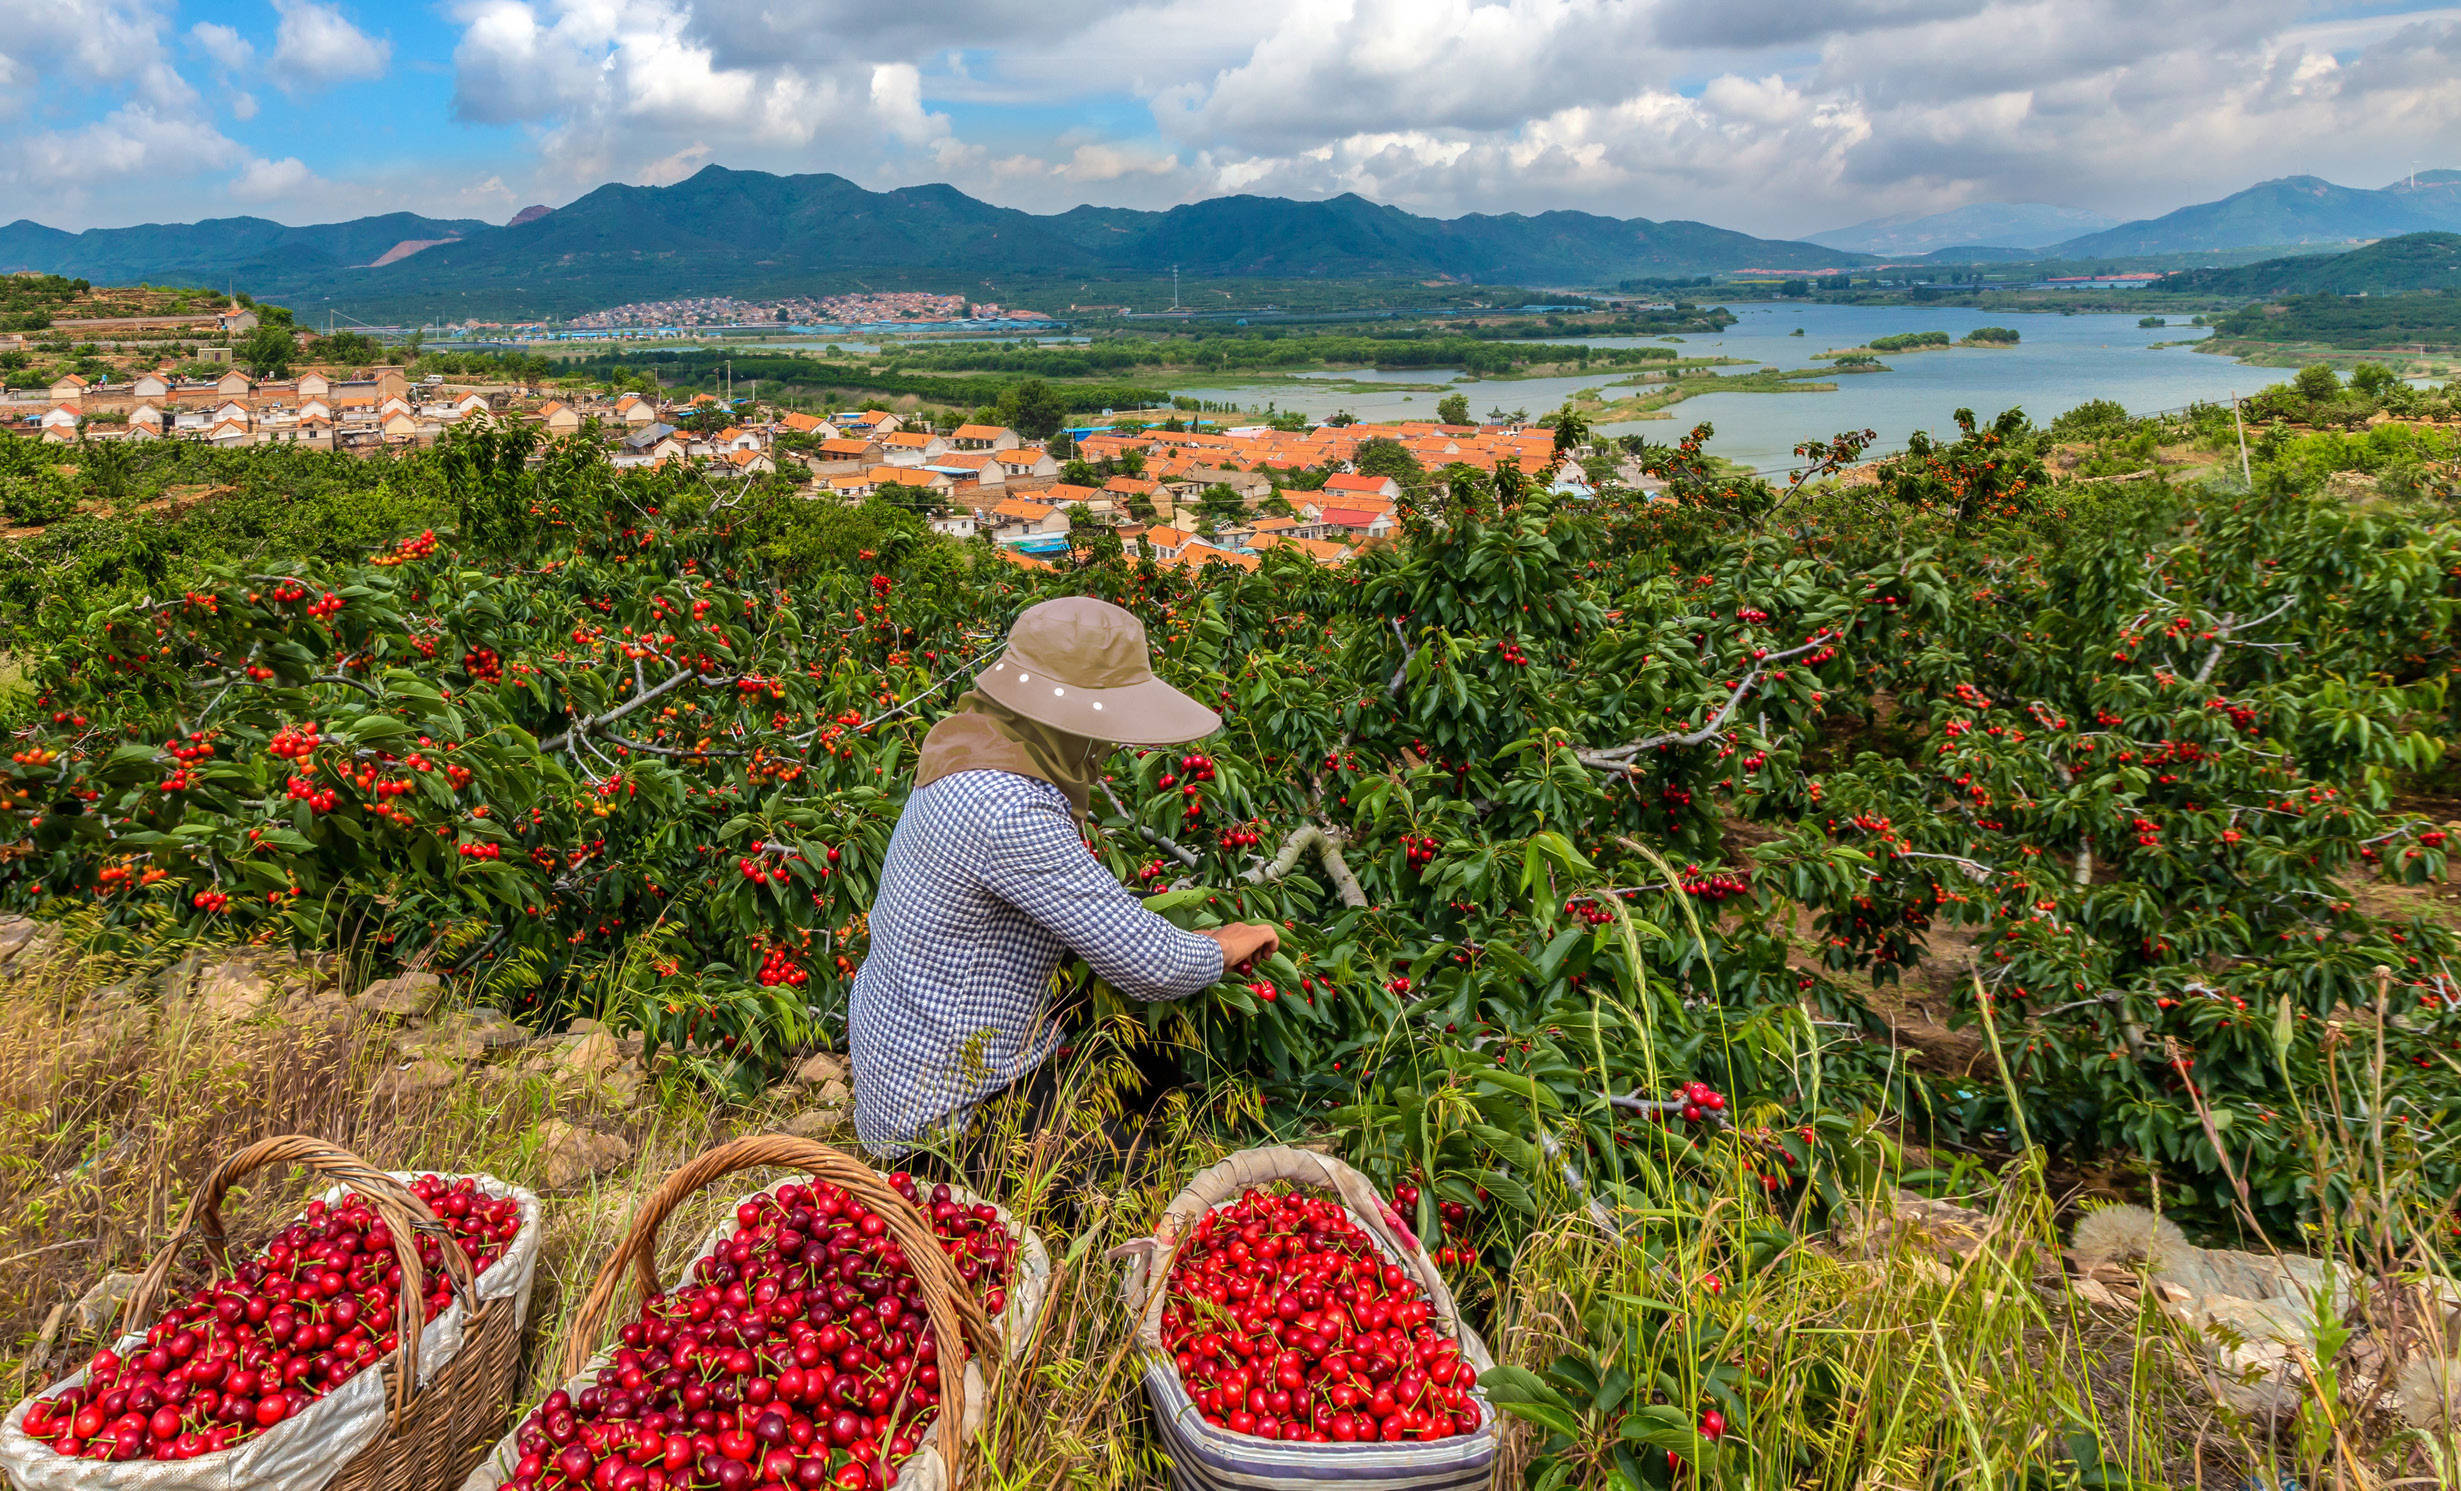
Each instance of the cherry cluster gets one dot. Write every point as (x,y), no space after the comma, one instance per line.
(797,1355)
(311,1312)
(417,548)
(123,876)
(318,799)
(1512,653)
(34,756)
(479,849)
(1452,1216)
(483,664)
(1242,836)
(210,900)
(778,966)
(1285,1321)
(1718,885)
(295,742)
(1419,850)
(1699,1100)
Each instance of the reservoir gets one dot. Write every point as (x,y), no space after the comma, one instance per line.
(2059,363)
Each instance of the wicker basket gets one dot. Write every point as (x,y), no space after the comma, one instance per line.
(416,1422)
(957,1320)
(1204,1458)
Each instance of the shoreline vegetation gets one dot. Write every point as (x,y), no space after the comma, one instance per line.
(1594,405)
(2407,362)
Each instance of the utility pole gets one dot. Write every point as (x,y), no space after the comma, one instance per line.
(2242,428)
(1174,287)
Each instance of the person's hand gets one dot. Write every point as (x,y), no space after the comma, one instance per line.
(1243,943)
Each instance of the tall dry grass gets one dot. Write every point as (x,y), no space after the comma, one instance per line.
(1876,1362)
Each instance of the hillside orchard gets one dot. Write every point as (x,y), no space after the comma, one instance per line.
(1605,831)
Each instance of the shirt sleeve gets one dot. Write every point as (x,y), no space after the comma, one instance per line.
(1037,864)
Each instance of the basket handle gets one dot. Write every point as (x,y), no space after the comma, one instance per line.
(404,1214)
(957,1319)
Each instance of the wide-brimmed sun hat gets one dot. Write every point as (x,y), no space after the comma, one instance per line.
(1081,665)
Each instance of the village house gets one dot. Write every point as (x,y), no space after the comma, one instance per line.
(916,478)
(1027,463)
(915,449)
(1359,524)
(842,454)
(1128,489)
(1062,494)
(68,389)
(956,524)
(1317,550)
(984,437)
(1197,554)
(1349,487)
(1016,518)
(811,425)
(970,470)
(151,386)
(314,385)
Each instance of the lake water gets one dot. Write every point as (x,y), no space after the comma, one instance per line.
(2059,363)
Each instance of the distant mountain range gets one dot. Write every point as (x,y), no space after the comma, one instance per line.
(728,232)
(2392,266)
(753,234)
(1993,225)
(241,250)
(2291,210)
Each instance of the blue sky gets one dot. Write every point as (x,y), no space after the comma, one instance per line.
(1775,116)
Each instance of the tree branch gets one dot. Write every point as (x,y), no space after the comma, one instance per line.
(628,743)
(1170,846)
(589,723)
(1328,846)
(1618,759)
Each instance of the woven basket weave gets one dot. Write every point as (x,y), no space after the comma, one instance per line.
(1205,1458)
(417,1423)
(957,1320)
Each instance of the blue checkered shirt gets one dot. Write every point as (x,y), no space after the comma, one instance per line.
(986,885)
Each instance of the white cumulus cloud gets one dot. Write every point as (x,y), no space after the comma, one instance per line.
(271,180)
(316,47)
(229,50)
